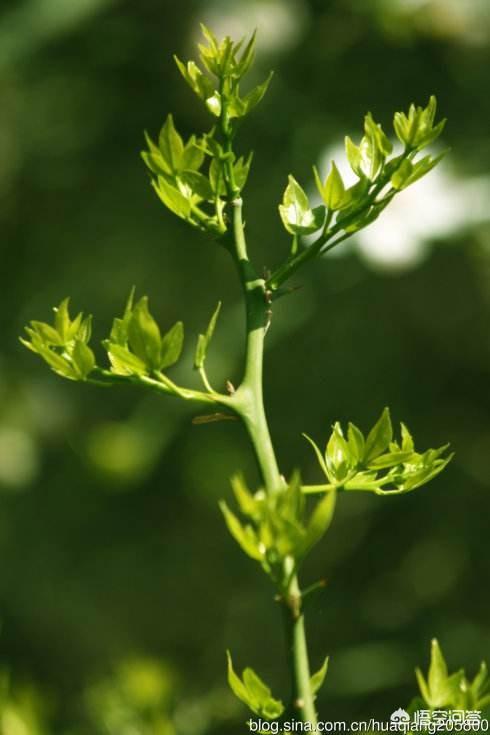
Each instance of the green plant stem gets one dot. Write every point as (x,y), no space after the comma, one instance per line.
(303,701)
(249,403)
(313,489)
(248,399)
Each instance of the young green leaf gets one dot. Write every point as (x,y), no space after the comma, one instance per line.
(172,198)
(144,335)
(402,174)
(333,191)
(85,330)
(154,160)
(247,57)
(48,334)
(294,194)
(408,173)
(379,437)
(375,131)
(353,153)
(319,455)
(171,145)
(123,362)
(198,82)
(193,155)
(356,443)
(204,339)
(253,98)
(241,170)
(371,158)
(423,686)
(438,672)
(338,457)
(171,346)
(252,691)
(199,185)
(59,364)
(254,684)
(390,459)
(217,177)
(119,329)
(62,319)
(297,216)
(83,359)
(440,689)
(236,685)
(479,689)
(316,681)
(244,497)
(407,441)
(244,536)
(319,521)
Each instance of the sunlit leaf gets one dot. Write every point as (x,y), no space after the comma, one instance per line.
(83,358)
(316,681)
(144,335)
(379,437)
(205,339)
(296,213)
(171,346)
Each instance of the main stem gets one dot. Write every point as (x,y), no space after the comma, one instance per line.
(249,403)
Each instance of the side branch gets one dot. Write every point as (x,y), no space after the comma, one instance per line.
(162,384)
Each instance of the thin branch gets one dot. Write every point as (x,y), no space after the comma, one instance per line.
(205,380)
(162,384)
(314,489)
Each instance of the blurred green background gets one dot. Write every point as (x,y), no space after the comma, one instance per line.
(119,587)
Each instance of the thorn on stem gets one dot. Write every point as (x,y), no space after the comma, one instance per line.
(321,584)
(280,292)
(230,388)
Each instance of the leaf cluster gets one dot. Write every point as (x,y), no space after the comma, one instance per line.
(225,64)
(441,690)
(380,175)
(136,346)
(191,178)
(137,349)
(277,526)
(250,689)
(377,463)
(63,344)
(196,179)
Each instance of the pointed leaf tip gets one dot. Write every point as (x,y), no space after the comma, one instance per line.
(318,678)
